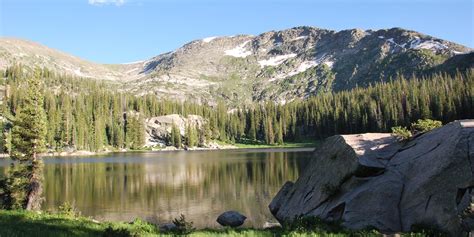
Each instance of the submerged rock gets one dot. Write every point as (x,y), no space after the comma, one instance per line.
(372,180)
(231,218)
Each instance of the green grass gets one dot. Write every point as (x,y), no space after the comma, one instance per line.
(24,223)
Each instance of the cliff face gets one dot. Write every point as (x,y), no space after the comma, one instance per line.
(158,129)
(373,180)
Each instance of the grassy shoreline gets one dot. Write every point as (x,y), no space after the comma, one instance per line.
(24,223)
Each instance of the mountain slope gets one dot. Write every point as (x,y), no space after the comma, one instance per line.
(277,65)
(31,54)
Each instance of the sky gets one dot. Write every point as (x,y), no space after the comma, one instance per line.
(121,31)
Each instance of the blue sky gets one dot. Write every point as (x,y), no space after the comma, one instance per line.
(119,31)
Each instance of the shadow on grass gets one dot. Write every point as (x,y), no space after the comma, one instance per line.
(26,224)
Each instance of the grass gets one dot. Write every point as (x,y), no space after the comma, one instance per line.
(24,223)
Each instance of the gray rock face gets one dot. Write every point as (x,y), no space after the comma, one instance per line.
(158,129)
(372,180)
(231,218)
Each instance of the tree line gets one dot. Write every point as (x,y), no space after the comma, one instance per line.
(87,114)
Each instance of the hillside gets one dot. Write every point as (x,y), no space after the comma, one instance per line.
(276,65)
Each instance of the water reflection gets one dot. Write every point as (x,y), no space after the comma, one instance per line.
(162,185)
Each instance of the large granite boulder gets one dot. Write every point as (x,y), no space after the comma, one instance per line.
(373,180)
(158,129)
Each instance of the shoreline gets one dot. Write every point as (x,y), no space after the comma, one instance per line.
(171,149)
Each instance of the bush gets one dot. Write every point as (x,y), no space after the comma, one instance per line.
(183,227)
(420,126)
(425,125)
(68,210)
(401,132)
(136,228)
(427,230)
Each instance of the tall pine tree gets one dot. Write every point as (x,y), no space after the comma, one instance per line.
(28,140)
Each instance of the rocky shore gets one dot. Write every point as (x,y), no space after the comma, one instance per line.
(374,180)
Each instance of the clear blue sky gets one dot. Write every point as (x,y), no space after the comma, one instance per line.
(118,31)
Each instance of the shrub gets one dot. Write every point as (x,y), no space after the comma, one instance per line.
(427,230)
(425,125)
(183,227)
(420,126)
(68,210)
(401,133)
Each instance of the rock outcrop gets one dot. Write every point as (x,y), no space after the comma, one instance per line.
(158,129)
(373,180)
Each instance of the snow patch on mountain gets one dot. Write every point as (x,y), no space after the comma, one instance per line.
(209,39)
(417,43)
(275,61)
(300,38)
(329,63)
(239,51)
(305,66)
(141,61)
(301,68)
(431,45)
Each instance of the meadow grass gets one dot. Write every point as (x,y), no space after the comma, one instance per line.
(24,223)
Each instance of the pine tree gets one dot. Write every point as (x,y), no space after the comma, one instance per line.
(252,133)
(191,136)
(279,132)
(175,136)
(139,140)
(28,140)
(3,141)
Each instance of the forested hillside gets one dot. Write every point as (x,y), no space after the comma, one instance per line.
(86,114)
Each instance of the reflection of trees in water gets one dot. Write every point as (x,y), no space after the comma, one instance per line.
(199,188)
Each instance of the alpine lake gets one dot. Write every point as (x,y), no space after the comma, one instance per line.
(160,186)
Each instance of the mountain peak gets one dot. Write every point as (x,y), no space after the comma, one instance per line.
(276,65)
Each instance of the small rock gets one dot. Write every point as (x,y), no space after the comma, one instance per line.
(231,218)
(268,225)
(167,227)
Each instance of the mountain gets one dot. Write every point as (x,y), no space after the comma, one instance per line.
(32,54)
(277,65)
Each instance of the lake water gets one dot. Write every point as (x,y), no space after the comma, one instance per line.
(159,186)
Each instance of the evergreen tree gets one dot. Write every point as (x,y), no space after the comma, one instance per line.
(175,136)
(3,141)
(191,136)
(279,131)
(28,140)
(252,132)
(135,131)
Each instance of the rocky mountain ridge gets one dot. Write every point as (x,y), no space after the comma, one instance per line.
(276,65)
